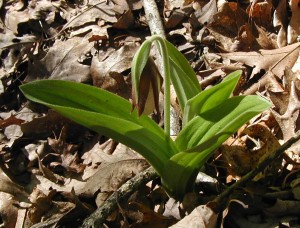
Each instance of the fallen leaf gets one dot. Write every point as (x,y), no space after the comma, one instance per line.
(274,60)
(201,216)
(242,154)
(8,210)
(293,30)
(110,177)
(41,203)
(107,73)
(205,15)
(59,59)
(12,120)
(280,22)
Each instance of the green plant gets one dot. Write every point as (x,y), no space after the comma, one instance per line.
(209,117)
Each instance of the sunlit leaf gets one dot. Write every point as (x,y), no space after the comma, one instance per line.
(222,121)
(183,76)
(105,113)
(212,97)
(205,133)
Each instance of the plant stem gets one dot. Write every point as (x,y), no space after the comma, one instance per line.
(157,28)
(167,88)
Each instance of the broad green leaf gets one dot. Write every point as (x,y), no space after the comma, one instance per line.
(179,60)
(205,133)
(222,121)
(212,97)
(105,113)
(183,76)
(183,85)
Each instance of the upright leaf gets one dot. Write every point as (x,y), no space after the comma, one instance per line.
(203,134)
(183,76)
(221,121)
(212,97)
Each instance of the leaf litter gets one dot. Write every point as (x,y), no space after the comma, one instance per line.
(56,173)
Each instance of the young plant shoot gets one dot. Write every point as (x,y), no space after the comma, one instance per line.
(209,117)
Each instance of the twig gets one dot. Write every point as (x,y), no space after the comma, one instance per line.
(220,201)
(153,18)
(97,218)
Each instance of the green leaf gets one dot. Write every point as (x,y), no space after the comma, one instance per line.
(183,76)
(221,121)
(212,97)
(205,133)
(105,113)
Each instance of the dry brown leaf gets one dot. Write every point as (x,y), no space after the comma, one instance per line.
(8,210)
(110,177)
(12,120)
(274,60)
(107,73)
(229,19)
(41,203)
(280,22)
(62,62)
(261,12)
(205,14)
(15,16)
(242,155)
(201,216)
(293,30)
(10,187)
(44,126)
(288,120)
(145,216)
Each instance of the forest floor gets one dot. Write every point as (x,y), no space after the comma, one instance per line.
(55,173)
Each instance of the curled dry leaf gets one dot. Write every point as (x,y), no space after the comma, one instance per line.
(201,216)
(294,25)
(280,22)
(244,153)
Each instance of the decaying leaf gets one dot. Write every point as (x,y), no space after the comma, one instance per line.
(274,60)
(244,153)
(107,73)
(201,216)
(61,62)
(110,177)
(294,25)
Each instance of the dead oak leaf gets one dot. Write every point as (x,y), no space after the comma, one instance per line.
(201,216)
(274,60)
(62,62)
(110,177)
(107,74)
(288,121)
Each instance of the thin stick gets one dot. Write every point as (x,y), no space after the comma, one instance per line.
(98,217)
(220,201)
